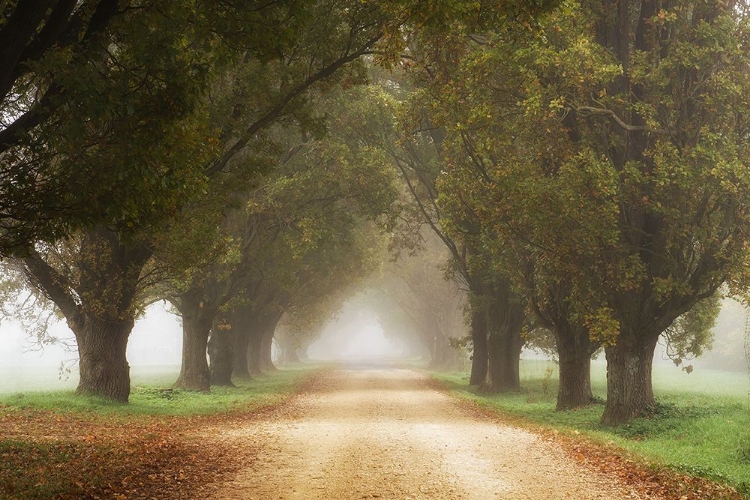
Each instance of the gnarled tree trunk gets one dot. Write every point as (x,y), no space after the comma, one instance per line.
(99,307)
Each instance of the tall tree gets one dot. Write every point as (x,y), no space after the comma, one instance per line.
(631,198)
(137,212)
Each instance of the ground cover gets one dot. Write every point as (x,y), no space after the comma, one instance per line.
(57,445)
(700,427)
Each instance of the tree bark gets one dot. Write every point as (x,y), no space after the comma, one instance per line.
(504,350)
(574,350)
(104,369)
(505,318)
(266,349)
(197,318)
(221,357)
(479,358)
(240,347)
(629,390)
(254,351)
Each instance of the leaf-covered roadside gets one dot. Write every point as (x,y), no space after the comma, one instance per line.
(652,480)
(50,455)
(649,479)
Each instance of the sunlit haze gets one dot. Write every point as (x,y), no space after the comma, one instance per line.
(355,335)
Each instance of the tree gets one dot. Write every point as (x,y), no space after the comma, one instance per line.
(101,323)
(630,200)
(297,227)
(77,78)
(497,313)
(186,172)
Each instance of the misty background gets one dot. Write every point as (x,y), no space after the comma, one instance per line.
(354,334)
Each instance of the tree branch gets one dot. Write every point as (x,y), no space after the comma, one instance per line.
(590,111)
(276,110)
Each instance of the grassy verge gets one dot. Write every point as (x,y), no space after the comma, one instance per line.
(62,446)
(154,397)
(701,426)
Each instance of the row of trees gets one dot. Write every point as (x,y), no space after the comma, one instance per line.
(582,163)
(181,153)
(157,152)
(589,173)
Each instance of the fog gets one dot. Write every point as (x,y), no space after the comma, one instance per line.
(355,335)
(156,340)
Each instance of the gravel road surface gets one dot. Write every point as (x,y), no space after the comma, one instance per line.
(386,433)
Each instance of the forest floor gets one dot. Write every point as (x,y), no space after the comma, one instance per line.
(349,434)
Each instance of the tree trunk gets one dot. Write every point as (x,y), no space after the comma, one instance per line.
(575,383)
(254,352)
(197,319)
(504,350)
(479,356)
(241,344)
(266,349)
(574,349)
(221,356)
(505,318)
(104,369)
(101,312)
(629,390)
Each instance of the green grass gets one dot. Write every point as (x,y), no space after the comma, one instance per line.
(701,425)
(151,395)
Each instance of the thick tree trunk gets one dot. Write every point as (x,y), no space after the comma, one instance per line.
(504,349)
(254,352)
(197,319)
(575,383)
(479,356)
(505,320)
(221,356)
(104,369)
(574,349)
(266,349)
(241,344)
(629,390)
(101,312)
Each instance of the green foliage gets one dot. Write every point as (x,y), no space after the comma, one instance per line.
(692,332)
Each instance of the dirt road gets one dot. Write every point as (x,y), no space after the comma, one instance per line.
(384,433)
